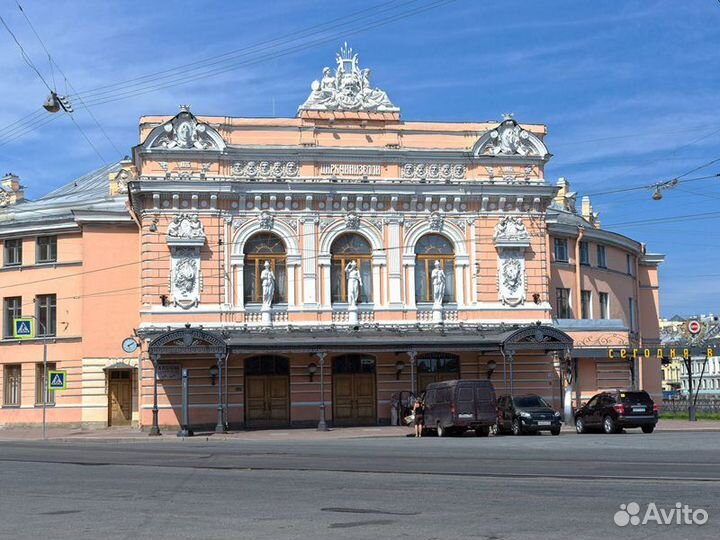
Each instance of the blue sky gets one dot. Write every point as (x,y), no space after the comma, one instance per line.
(628,89)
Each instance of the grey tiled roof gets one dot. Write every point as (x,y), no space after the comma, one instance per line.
(88,192)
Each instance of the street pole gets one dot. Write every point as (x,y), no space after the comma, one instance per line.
(692,416)
(322,424)
(46,392)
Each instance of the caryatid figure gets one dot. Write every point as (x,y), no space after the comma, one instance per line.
(268,285)
(354,282)
(438,283)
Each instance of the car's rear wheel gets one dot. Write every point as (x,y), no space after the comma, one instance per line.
(609,426)
(579,425)
(482,432)
(516,427)
(441,431)
(648,429)
(555,431)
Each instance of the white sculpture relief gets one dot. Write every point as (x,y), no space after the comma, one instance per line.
(185,281)
(4,198)
(438,281)
(354,282)
(348,89)
(267,277)
(184,132)
(265,169)
(436,221)
(434,171)
(511,229)
(122,179)
(186,226)
(510,139)
(511,277)
(266,220)
(352,221)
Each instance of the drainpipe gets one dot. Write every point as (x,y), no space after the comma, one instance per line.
(578,280)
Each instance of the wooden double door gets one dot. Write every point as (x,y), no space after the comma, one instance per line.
(354,391)
(120,398)
(267,402)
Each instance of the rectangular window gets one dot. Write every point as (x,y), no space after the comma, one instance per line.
(631,308)
(11,387)
(601,260)
(13,252)
(604,305)
(586,304)
(563,303)
(46,249)
(561,250)
(12,309)
(584,253)
(629,264)
(46,309)
(41,387)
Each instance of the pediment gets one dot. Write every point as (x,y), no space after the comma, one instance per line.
(510,139)
(184,132)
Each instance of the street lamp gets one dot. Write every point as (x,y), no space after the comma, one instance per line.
(322,424)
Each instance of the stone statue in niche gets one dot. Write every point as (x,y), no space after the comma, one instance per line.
(354,282)
(438,282)
(267,277)
(512,278)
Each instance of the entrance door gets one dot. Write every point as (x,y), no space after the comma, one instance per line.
(436,367)
(120,398)
(267,391)
(354,396)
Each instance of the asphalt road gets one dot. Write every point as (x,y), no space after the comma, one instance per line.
(500,487)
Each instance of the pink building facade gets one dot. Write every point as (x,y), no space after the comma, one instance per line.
(335,261)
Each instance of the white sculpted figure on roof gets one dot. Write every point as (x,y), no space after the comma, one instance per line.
(348,89)
(509,139)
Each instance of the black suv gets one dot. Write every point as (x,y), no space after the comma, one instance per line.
(527,414)
(613,411)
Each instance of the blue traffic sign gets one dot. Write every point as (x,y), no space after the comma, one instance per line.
(23,328)
(57,380)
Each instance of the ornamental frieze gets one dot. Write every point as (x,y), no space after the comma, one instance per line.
(446,171)
(265,169)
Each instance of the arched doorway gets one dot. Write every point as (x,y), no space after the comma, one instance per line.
(354,392)
(436,367)
(267,391)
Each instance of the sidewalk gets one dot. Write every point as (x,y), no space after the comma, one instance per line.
(134,435)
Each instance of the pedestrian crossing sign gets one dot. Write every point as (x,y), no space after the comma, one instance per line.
(23,328)
(57,380)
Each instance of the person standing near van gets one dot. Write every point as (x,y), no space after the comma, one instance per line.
(419,412)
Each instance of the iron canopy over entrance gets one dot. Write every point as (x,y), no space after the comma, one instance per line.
(188,342)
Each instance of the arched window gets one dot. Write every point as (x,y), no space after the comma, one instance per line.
(431,248)
(258,249)
(436,367)
(350,247)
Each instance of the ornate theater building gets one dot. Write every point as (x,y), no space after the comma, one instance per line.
(325,265)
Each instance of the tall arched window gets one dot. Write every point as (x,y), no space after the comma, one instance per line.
(350,247)
(431,248)
(258,249)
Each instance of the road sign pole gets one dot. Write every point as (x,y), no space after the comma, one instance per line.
(46,392)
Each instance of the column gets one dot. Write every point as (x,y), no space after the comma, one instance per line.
(220,426)
(322,424)
(292,265)
(409,266)
(394,244)
(324,264)
(309,263)
(155,429)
